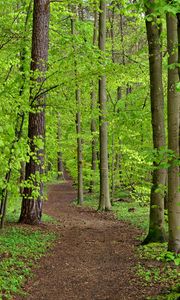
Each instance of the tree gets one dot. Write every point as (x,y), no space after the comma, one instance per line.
(173,135)
(156,222)
(78,120)
(31,210)
(93,106)
(104,201)
(60,165)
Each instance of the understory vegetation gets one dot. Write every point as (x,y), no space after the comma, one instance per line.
(20,250)
(157,265)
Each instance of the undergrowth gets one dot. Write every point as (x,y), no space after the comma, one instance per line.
(20,248)
(160,266)
(157,264)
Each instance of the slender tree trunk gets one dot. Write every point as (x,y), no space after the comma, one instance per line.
(93,120)
(22,177)
(79,148)
(31,210)
(122,39)
(156,224)
(78,123)
(112,34)
(60,165)
(94,142)
(118,167)
(115,165)
(104,201)
(173,135)
(119,92)
(166,193)
(113,168)
(112,19)
(119,163)
(178,20)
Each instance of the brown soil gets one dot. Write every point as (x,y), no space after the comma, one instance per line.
(93,258)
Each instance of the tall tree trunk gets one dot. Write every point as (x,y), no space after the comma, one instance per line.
(178,20)
(112,19)
(31,210)
(79,148)
(93,120)
(94,141)
(104,201)
(173,135)
(118,166)
(156,224)
(60,165)
(78,122)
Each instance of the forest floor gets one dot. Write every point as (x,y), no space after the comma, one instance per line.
(94,257)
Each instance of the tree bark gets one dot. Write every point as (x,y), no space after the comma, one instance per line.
(80,196)
(31,210)
(104,201)
(60,165)
(156,223)
(173,135)
(178,20)
(93,120)
(79,149)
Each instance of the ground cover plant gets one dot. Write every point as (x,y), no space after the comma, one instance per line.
(157,264)
(20,249)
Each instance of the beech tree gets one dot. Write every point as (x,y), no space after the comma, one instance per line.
(173,134)
(60,165)
(78,117)
(93,106)
(31,210)
(156,222)
(104,201)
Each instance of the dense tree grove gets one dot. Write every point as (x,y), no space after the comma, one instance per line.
(91,88)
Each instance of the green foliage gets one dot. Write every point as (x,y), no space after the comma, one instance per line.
(169,256)
(129,118)
(132,212)
(159,252)
(20,248)
(91,201)
(173,294)
(178,86)
(166,272)
(158,274)
(48,219)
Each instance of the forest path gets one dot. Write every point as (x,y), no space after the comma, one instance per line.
(93,258)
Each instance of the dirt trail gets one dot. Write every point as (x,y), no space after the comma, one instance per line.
(93,258)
